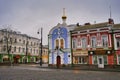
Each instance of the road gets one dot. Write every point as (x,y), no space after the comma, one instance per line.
(37,73)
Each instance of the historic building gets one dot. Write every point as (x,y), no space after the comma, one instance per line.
(116,39)
(93,44)
(59,43)
(17,47)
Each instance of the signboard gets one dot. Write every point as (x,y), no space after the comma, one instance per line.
(80,53)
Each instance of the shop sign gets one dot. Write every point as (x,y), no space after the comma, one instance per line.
(80,53)
(100,52)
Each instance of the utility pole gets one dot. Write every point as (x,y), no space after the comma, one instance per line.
(40,52)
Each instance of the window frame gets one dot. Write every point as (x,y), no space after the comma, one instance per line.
(93,41)
(104,43)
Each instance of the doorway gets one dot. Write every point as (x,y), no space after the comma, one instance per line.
(58,61)
(100,62)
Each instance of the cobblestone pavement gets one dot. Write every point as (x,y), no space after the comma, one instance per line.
(35,73)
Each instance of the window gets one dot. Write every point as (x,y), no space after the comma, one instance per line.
(61,43)
(94,59)
(118,42)
(23,41)
(23,49)
(119,59)
(27,42)
(19,49)
(14,49)
(10,40)
(79,43)
(4,48)
(82,60)
(104,41)
(84,43)
(57,43)
(34,43)
(74,43)
(93,42)
(15,41)
(31,50)
(19,40)
(105,60)
(34,51)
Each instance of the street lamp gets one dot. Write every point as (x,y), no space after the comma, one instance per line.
(40,52)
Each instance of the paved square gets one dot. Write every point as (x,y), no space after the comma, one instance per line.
(35,73)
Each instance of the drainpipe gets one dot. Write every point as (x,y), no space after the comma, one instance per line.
(71,48)
(48,50)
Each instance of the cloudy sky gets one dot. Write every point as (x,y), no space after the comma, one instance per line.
(27,16)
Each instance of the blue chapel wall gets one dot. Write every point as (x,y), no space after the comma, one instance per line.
(63,35)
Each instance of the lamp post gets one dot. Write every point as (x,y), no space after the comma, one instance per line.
(40,52)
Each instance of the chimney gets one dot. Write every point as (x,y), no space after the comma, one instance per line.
(87,24)
(77,24)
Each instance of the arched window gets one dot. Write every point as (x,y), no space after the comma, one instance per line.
(84,43)
(57,43)
(104,41)
(93,42)
(74,43)
(61,43)
(19,49)
(78,42)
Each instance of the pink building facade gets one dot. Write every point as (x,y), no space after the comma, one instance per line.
(96,44)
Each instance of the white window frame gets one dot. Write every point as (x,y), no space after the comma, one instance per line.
(78,42)
(118,42)
(118,59)
(74,41)
(84,42)
(93,41)
(105,42)
(59,45)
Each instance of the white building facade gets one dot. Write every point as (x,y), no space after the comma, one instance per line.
(18,48)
